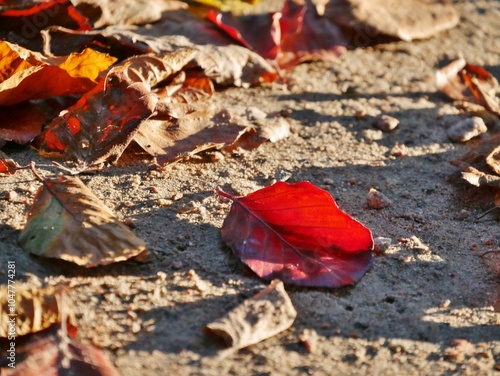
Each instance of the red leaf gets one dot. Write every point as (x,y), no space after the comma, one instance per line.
(295,35)
(297,233)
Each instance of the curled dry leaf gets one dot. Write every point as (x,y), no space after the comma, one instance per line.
(408,20)
(126,12)
(28,75)
(7,165)
(54,352)
(297,233)
(470,83)
(104,121)
(262,316)
(34,309)
(69,222)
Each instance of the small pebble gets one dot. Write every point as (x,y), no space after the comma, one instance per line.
(309,338)
(372,134)
(217,156)
(381,245)
(11,195)
(386,123)
(328,181)
(463,215)
(164,202)
(377,200)
(177,196)
(445,304)
(466,129)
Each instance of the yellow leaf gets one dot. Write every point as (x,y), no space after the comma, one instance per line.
(26,75)
(88,63)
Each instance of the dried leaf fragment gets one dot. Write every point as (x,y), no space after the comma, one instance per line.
(34,309)
(7,165)
(260,317)
(54,352)
(462,81)
(69,222)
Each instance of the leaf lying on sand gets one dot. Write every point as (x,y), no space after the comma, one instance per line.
(7,165)
(69,222)
(297,233)
(262,316)
(36,309)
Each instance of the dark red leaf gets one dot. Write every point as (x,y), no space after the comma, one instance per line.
(7,165)
(22,24)
(295,35)
(298,234)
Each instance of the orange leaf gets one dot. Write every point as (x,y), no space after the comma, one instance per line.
(26,75)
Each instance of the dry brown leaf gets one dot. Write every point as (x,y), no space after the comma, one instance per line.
(125,12)
(189,134)
(69,222)
(470,83)
(264,315)
(56,352)
(406,20)
(493,159)
(34,309)
(25,74)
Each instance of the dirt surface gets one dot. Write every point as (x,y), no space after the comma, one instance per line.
(406,314)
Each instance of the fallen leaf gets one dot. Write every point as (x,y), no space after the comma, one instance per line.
(470,83)
(262,316)
(298,234)
(34,309)
(28,75)
(188,135)
(54,352)
(22,24)
(295,35)
(20,123)
(69,222)
(126,12)
(104,121)
(408,20)
(7,165)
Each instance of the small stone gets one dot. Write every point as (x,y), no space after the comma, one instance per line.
(445,304)
(386,123)
(11,195)
(136,327)
(466,129)
(377,200)
(309,338)
(129,223)
(177,196)
(360,113)
(154,189)
(162,276)
(381,245)
(164,202)
(328,181)
(217,156)
(463,215)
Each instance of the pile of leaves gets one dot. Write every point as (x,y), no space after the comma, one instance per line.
(89,85)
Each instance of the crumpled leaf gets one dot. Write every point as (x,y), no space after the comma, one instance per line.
(296,232)
(36,309)
(125,12)
(28,75)
(295,35)
(262,316)
(22,23)
(470,83)
(7,165)
(56,352)
(69,222)
(104,121)
(221,60)
(407,20)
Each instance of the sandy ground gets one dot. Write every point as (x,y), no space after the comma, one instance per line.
(404,317)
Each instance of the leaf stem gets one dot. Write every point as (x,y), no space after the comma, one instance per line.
(35,171)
